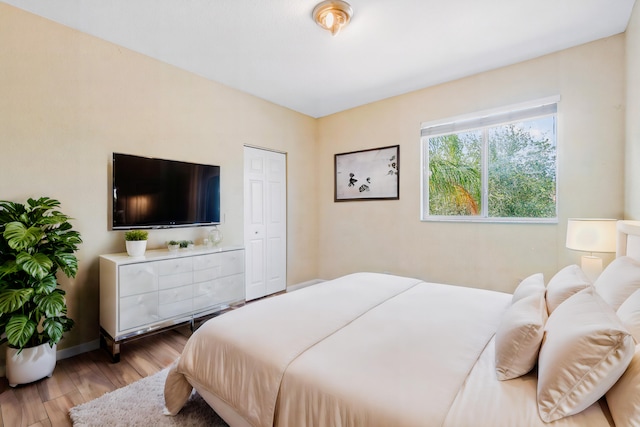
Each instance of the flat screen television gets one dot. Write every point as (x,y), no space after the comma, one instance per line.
(158,193)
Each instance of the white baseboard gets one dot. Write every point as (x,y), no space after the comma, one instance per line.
(304,284)
(78,349)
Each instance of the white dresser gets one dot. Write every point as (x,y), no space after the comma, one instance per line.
(164,289)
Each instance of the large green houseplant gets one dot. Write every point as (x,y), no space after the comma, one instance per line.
(36,241)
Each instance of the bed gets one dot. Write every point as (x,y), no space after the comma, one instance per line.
(373,349)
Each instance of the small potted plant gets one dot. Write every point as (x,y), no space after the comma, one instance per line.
(186,244)
(173,245)
(36,241)
(136,242)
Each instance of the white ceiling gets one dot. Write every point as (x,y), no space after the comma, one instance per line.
(272,48)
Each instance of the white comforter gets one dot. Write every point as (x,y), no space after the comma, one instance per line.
(363,350)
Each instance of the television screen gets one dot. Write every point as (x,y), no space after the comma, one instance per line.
(157,193)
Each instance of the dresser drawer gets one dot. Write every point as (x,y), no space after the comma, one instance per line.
(138,310)
(220,291)
(204,262)
(208,267)
(168,296)
(137,279)
(174,266)
(177,308)
(232,263)
(174,280)
(207,274)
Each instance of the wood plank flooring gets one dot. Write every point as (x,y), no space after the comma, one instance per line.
(79,379)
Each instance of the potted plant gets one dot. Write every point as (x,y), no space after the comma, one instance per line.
(36,241)
(186,244)
(173,245)
(136,242)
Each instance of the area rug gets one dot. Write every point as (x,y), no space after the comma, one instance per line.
(142,404)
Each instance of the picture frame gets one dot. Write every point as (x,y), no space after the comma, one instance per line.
(372,174)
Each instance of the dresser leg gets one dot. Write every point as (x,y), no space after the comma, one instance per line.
(112,347)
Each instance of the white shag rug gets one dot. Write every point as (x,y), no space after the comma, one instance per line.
(142,404)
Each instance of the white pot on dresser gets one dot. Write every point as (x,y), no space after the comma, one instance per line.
(165,289)
(136,248)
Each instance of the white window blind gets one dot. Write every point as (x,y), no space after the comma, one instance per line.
(488,119)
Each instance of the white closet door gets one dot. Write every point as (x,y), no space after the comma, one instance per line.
(265,222)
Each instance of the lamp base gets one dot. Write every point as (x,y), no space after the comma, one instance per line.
(592,266)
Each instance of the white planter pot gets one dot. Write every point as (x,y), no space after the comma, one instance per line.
(30,364)
(136,247)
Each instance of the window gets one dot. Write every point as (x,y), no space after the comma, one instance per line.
(498,166)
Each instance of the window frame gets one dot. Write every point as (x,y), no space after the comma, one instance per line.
(477,121)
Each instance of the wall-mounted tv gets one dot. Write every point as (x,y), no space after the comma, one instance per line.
(157,193)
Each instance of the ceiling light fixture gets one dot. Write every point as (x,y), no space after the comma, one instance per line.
(332,15)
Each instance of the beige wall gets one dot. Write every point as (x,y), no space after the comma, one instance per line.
(389,236)
(68,100)
(632,166)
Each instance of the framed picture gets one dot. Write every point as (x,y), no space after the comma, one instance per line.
(368,174)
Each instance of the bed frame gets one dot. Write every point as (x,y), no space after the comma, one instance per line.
(628,239)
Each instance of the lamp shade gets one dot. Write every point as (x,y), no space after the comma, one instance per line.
(591,235)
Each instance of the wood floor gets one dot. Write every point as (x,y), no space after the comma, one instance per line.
(85,377)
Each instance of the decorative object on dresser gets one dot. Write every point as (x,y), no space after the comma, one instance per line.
(215,236)
(186,244)
(36,240)
(165,289)
(136,242)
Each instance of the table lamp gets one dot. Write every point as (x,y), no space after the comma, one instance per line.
(591,235)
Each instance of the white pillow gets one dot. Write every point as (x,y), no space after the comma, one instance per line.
(624,397)
(629,314)
(585,350)
(620,279)
(529,286)
(564,283)
(519,336)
